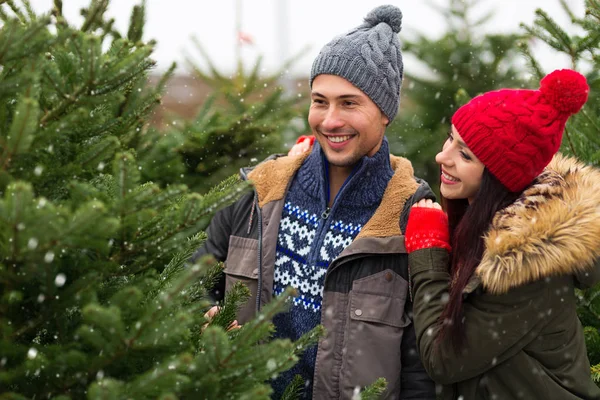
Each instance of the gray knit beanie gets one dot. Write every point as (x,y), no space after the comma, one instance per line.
(369,57)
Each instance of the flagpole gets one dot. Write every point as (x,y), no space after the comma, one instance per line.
(238,29)
(282,27)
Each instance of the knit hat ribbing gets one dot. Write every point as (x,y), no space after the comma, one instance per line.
(369,57)
(516,132)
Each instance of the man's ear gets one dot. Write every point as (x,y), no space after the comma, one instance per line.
(385,120)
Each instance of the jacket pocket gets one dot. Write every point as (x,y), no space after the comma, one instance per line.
(241,265)
(550,341)
(375,327)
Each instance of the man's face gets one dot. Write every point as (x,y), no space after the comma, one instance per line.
(345,121)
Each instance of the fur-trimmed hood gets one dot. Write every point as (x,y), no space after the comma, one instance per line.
(552,229)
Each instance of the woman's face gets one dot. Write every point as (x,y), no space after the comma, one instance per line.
(461,170)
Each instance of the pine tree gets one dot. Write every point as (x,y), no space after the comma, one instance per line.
(96,298)
(582,134)
(246,118)
(461,64)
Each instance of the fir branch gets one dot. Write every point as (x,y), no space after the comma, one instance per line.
(26,38)
(593,8)
(310,338)
(590,120)
(62,107)
(17,11)
(108,86)
(98,152)
(162,82)
(3,14)
(136,23)
(30,13)
(195,210)
(531,61)
(573,152)
(234,300)
(294,390)
(567,10)
(177,264)
(7,31)
(595,372)
(253,331)
(94,13)
(21,131)
(373,391)
(108,30)
(589,42)
(165,298)
(549,40)
(215,74)
(57,10)
(94,53)
(555,30)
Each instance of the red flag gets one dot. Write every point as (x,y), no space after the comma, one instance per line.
(245,38)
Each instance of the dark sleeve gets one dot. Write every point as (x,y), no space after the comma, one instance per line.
(423,192)
(231,220)
(482,349)
(414,380)
(217,244)
(588,277)
(218,233)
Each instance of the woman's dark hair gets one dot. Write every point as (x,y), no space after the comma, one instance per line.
(468,225)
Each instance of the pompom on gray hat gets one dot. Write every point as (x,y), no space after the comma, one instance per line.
(369,57)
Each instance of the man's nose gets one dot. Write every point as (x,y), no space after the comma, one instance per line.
(332,119)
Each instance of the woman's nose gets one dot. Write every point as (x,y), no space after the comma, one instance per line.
(443,157)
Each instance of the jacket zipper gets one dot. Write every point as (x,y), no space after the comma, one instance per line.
(321,230)
(260,243)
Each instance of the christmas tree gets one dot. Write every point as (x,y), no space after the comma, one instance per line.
(97,299)
(244,120)
(582,134)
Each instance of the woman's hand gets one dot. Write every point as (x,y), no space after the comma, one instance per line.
(427,203)
(303,144)
(427,227)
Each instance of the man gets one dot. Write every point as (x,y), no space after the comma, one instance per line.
(329,223)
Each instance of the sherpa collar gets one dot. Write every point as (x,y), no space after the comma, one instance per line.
(271,179)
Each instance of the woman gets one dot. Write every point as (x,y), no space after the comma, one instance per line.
(496,317)
(493,278)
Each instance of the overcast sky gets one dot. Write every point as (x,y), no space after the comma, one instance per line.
(309,25)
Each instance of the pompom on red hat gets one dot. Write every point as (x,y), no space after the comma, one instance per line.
(516,132)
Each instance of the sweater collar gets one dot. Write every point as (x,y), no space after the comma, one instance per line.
(365,185)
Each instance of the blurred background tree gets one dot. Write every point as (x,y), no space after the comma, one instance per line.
(245,118)
(461,64)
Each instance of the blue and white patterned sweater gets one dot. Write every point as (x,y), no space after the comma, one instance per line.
(311,236)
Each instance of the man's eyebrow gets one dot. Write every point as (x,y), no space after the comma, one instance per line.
(341,97)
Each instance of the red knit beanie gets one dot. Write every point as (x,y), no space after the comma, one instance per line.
(516,132)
